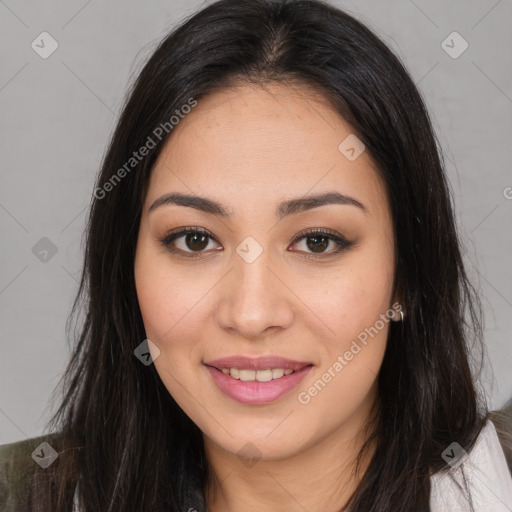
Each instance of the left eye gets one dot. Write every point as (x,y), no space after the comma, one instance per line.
(196,241)
(317,240)
(318,243)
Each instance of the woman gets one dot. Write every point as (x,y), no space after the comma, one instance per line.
(277,315)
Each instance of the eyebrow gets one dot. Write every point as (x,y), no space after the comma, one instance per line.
(285,208)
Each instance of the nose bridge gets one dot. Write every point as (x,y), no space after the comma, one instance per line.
(253,278)
(253,288)
(253,299)
(252,275)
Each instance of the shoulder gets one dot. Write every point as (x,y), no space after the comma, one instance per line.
(17,463)
(479,480)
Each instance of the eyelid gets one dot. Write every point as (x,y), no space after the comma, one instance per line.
(323,231)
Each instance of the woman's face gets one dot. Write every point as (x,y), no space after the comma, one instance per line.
(255,285)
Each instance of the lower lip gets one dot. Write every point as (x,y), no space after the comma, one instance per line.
(254,392)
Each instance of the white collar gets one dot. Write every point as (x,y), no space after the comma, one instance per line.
(479,482)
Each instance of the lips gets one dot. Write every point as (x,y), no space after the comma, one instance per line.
(247,380)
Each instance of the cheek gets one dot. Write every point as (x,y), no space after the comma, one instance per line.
(354,307)
(166,300)
(351,299)
(166,296)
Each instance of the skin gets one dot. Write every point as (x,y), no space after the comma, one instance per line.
(249,147)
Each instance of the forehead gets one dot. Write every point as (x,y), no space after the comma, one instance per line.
(248,141)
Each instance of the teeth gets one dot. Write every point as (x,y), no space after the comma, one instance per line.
(259,375)
(246,375)
(264,375)
(277,373)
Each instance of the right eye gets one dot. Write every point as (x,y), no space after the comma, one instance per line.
(194,241)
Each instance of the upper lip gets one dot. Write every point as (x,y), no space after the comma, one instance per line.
(258,363)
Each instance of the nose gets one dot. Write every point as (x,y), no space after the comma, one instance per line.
(254,299)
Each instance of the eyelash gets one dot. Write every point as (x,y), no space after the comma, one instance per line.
(342,242)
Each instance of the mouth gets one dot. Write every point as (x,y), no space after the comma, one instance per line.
(257,381)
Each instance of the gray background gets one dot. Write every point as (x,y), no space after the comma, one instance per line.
(57,115)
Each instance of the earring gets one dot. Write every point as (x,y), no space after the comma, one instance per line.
(402,315)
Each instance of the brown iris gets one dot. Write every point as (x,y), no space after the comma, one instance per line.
(319,242)
(196,241)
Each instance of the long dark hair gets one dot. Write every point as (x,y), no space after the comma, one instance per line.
(118,431)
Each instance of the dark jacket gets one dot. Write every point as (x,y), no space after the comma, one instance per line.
(21,460)
(16,470)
